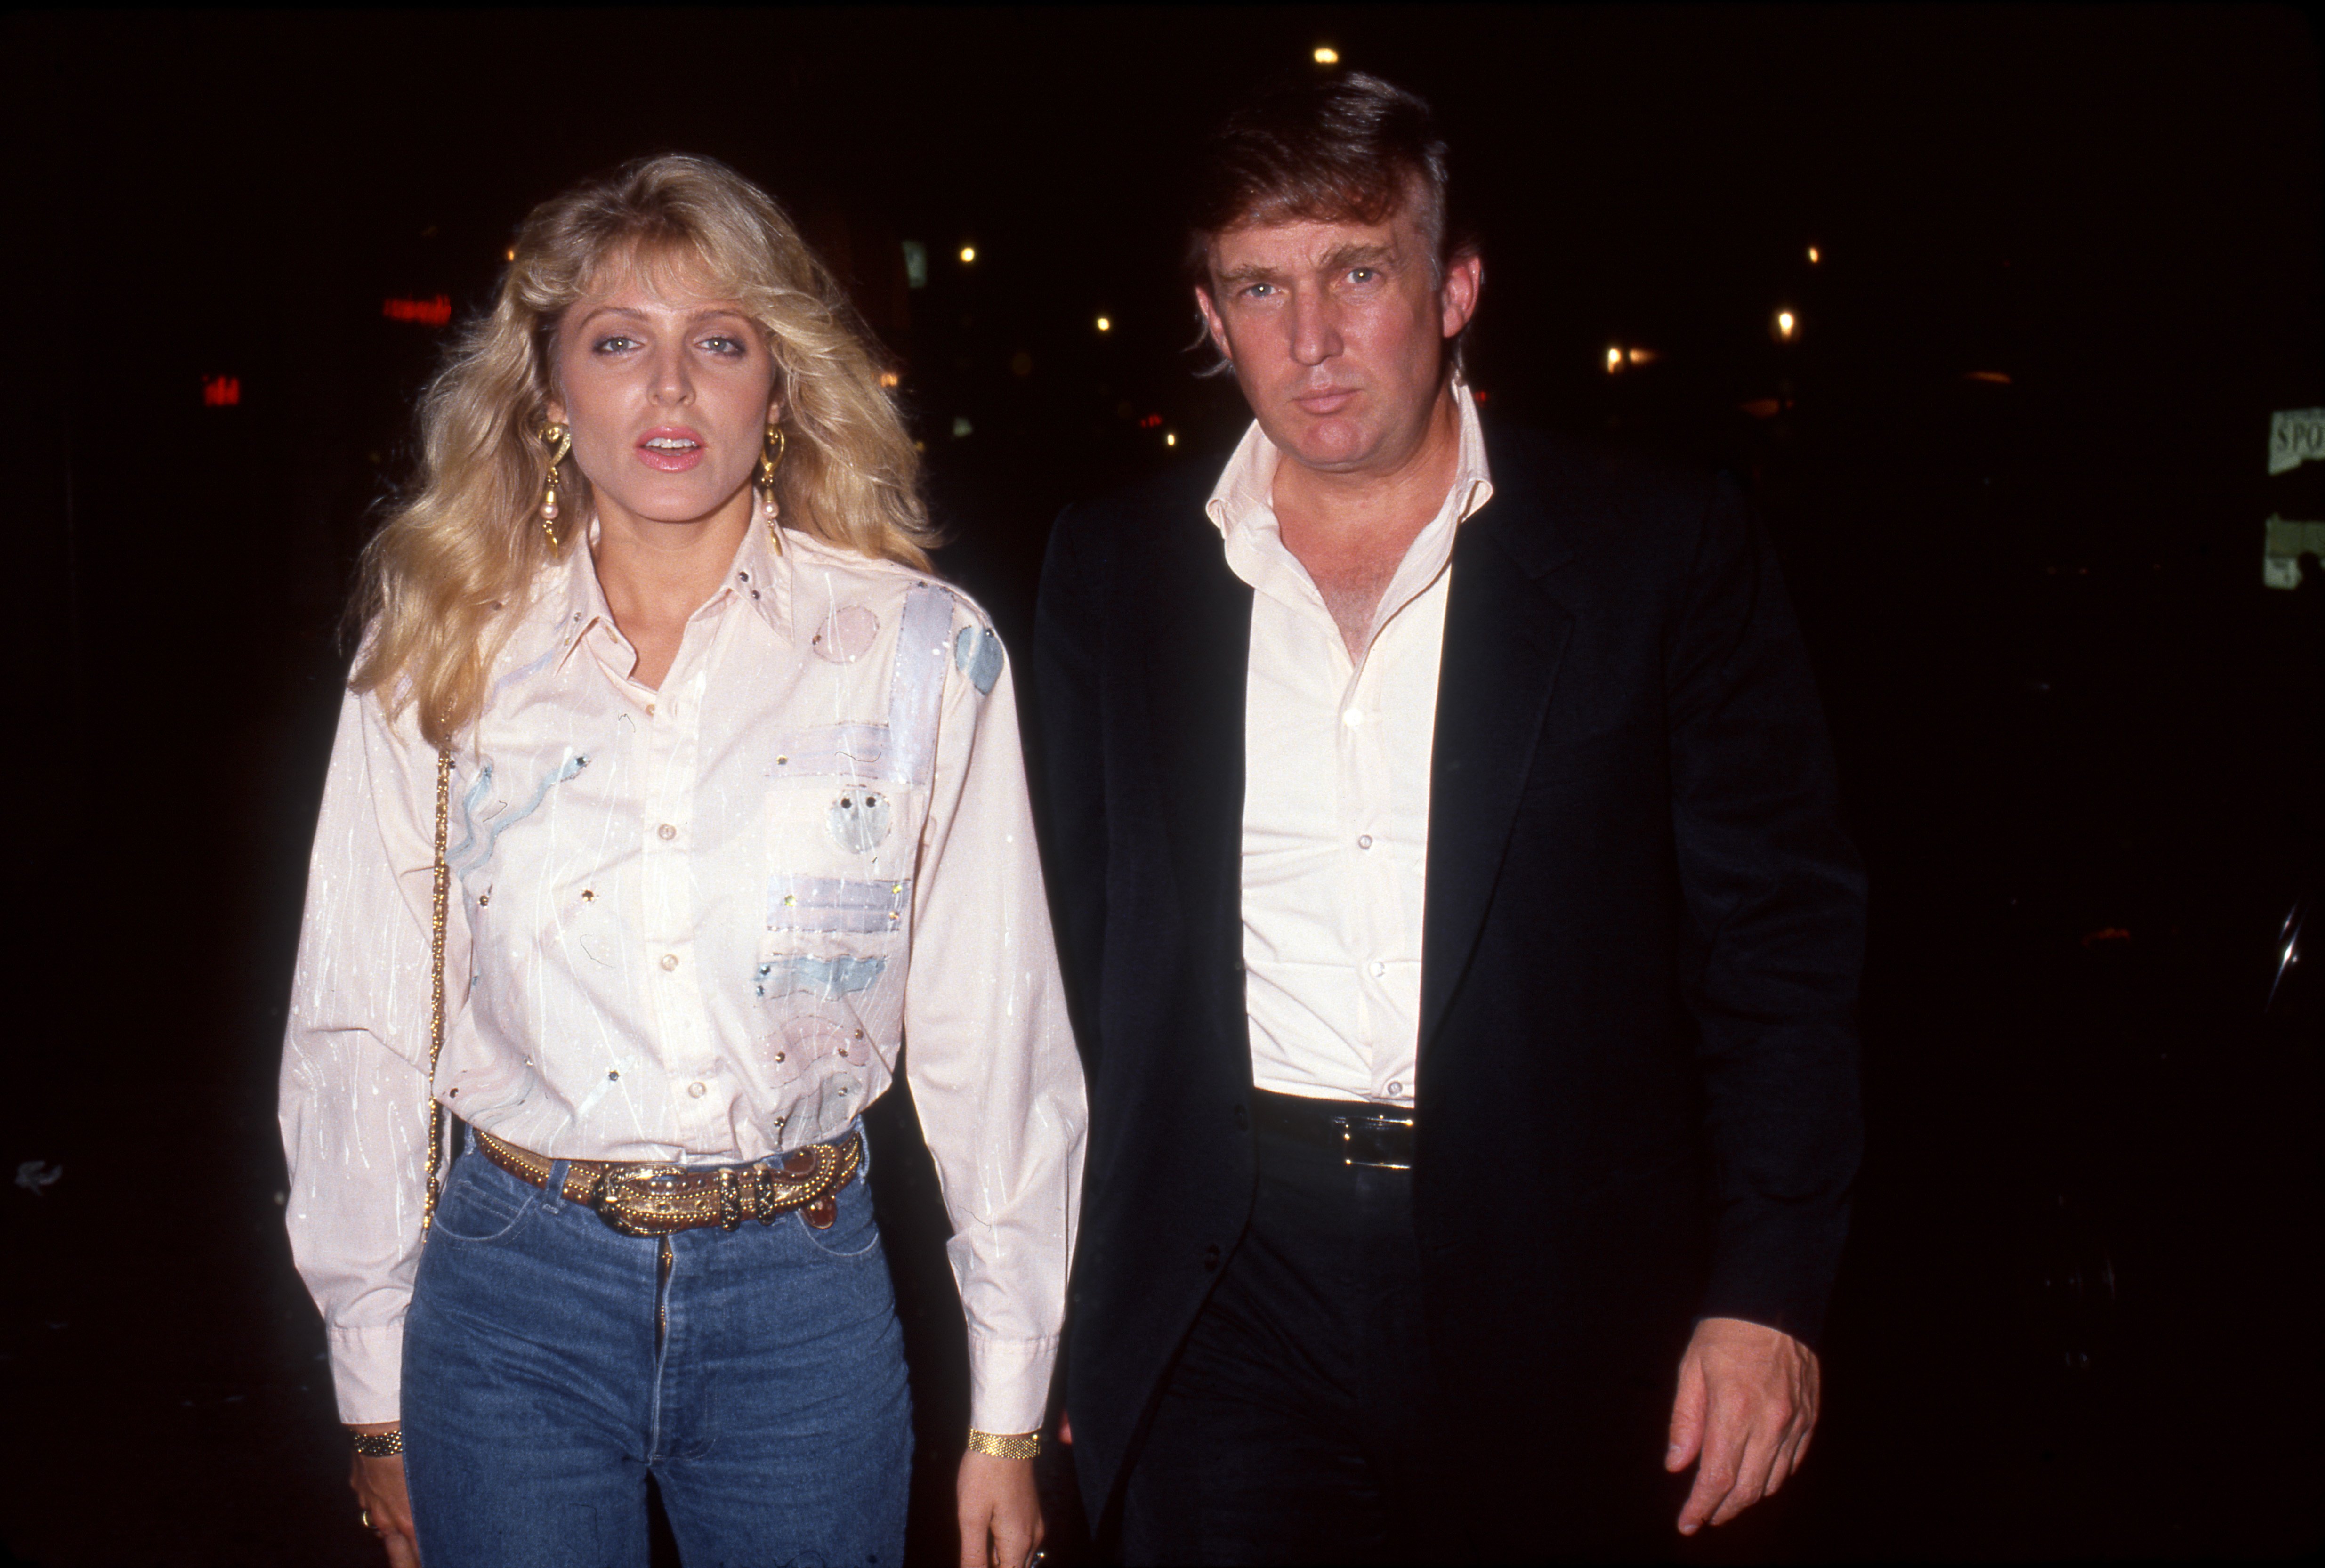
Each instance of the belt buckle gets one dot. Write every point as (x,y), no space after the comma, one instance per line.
(630,1202)
(1349,1126)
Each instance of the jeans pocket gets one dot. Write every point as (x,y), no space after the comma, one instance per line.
(483,1203)
(853,1233)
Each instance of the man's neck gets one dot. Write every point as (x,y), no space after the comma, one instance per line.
(1351,531)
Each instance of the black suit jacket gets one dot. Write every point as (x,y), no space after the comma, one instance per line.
(1636,1088)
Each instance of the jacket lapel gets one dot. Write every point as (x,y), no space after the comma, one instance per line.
(1505,634)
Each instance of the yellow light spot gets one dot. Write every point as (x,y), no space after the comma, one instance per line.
(509,255)
(1171,438)
(890,379)
(1613,360)
(969,253)
(1814,255)
(1326,55)
(1104,324)
(1785,324)
(1641,355)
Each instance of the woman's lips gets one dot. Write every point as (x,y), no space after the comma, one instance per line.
(669,451)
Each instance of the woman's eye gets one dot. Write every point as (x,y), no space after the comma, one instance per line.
(614,345)
(723,345)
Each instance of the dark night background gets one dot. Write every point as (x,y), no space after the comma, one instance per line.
(2014,465)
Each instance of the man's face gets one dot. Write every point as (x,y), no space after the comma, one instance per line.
(1337,333)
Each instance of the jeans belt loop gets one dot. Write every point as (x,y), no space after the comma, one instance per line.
(552,1190)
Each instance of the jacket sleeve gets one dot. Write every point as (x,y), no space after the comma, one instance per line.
(1772,933)
(355,1090)
(988,1047)
(1067,649)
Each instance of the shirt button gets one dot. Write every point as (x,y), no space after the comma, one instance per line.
(698,1090)
(665,832)
(1364,841)
(1379,968)
(1352,719)
(670,960)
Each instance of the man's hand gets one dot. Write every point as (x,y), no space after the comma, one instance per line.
(1747,1407)
(1000,1513)
(379,1491)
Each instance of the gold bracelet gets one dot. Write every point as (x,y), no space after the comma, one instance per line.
(378,1444)
(1005,1445)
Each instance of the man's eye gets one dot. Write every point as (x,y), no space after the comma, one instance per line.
(1362,274)
(1259,290)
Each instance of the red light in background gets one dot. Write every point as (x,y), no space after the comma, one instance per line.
(1152,422)
(221,391)
(435,312)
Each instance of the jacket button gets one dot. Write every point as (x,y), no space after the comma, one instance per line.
(1211,1260)
(1242,1119)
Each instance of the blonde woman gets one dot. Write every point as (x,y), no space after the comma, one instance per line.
(673,800)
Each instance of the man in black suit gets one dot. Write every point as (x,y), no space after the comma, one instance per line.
(1464,942)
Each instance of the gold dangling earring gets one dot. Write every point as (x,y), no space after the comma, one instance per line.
(561,442)
(769,458)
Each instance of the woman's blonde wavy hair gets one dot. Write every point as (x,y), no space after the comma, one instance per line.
(463,548)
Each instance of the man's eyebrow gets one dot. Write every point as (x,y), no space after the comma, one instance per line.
(1250,273)
(1359,256)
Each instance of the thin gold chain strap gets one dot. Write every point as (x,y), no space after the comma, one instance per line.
(435,986)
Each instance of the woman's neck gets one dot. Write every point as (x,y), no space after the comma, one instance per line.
(655,575)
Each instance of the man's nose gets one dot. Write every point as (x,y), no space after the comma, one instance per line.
(1315,328)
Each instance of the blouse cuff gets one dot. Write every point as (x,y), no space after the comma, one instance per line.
(367,1372)
(1009,1383)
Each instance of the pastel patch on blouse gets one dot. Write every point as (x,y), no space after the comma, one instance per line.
(904,750)
(835,903)
(858,819)
(827,980)
(468,856)
(846,634)
(977,654)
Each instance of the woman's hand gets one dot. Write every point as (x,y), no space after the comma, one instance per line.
(387,1507)
(1000,1514)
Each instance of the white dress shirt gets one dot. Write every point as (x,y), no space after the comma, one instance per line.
(1335,792)
(696,925)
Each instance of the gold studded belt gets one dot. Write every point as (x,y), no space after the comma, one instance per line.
(638,1199)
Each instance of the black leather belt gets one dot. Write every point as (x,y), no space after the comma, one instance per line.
(1359,1132)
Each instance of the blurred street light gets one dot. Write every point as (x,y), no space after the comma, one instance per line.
(1105,325)
(1613,360)
(1326,55)
(1814,257)
(969,253)
(1786,324)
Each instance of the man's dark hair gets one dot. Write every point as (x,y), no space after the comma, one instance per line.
(1346,148)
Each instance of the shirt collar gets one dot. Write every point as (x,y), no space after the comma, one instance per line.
(1244,498)
(576,601)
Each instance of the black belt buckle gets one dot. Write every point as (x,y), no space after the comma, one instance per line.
(1380,1143)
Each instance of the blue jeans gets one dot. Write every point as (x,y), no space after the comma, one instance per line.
(550,1363)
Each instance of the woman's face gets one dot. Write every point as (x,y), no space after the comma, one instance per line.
(667,392)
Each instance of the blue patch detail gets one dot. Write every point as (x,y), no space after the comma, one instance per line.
(826,979)
(507,820)
(468,804)
(977,653)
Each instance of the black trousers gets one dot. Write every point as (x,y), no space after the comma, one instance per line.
(1303,1421)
